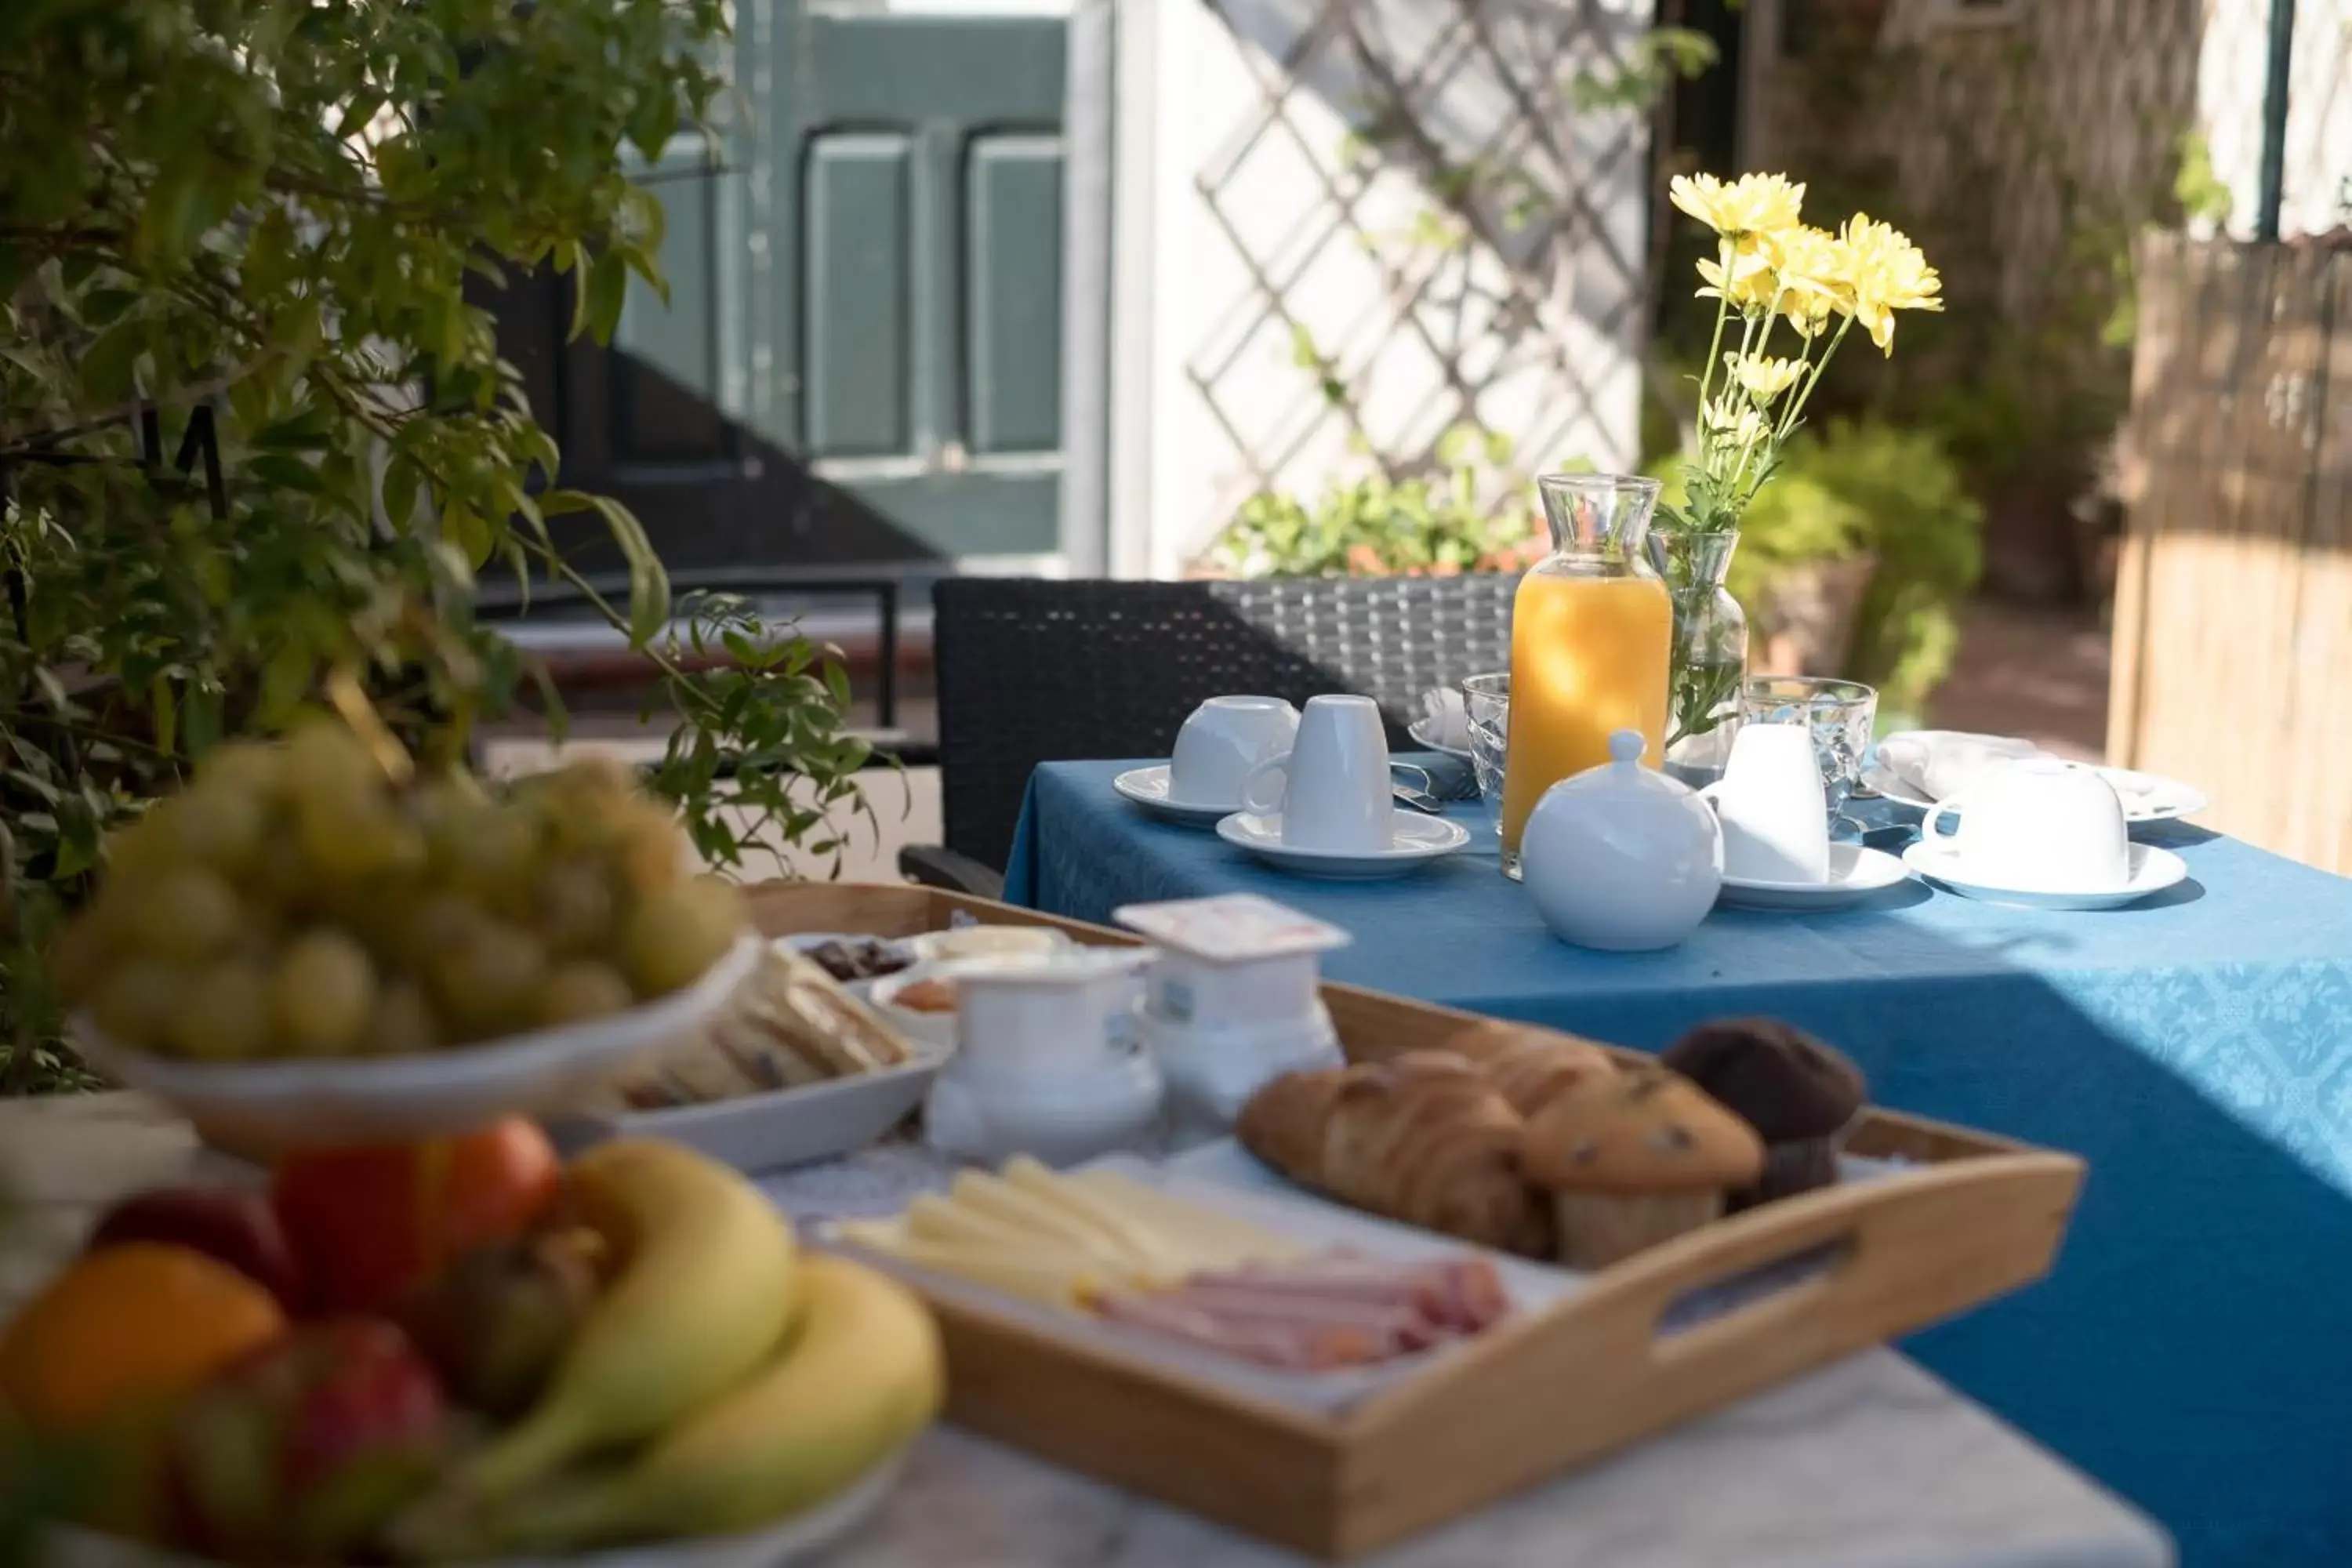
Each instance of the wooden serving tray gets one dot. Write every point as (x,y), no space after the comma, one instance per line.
(1538,1396)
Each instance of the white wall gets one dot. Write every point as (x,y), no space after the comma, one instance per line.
(1239,213)
(2317,193)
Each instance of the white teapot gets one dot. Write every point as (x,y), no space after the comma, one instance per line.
(1620,857)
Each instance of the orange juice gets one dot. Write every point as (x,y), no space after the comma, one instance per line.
(1589,658)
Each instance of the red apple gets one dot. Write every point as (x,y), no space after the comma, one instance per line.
(237,1228)
(301,1453)
(373,1222)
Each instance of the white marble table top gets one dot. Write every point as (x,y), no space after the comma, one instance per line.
(1870,1463)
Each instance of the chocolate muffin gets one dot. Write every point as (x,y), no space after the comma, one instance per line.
(1796,1092)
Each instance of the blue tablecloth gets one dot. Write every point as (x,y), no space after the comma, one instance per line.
(2194,1348)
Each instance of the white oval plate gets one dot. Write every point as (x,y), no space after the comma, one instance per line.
(1856,871)
(1414,840)
(792,1541)
(2148,797)
(2152,871)
(394,1098)
(1148,788)
(1426,739)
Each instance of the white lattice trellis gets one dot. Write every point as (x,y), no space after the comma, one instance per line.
(1324,324)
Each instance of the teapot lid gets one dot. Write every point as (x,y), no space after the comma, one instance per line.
(1622,773)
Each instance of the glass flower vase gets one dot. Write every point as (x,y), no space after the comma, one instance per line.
(1710,649)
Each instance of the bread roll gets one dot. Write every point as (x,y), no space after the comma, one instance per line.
(1530,1067)
(1423,1138)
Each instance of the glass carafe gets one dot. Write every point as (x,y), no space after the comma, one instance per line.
(1591,635)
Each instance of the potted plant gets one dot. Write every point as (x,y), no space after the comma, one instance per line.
(254,435)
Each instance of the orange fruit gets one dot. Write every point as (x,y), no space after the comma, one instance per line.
(129,1327)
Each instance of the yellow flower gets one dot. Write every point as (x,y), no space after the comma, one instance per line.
(1764,379)
(1741,273)
(1886,273)
(1753,203)
(1733,424)
(1811,269)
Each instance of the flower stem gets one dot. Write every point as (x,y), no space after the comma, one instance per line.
(1805,393)
(1715,345)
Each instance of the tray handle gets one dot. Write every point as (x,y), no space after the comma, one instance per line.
(1893,1251)
(1602,1369)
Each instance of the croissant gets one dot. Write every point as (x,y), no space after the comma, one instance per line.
(1423,1138)
(1530,1067)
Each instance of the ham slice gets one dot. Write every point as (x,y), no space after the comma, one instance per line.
(1306,1347)
(1463,1294)
(1316,1313)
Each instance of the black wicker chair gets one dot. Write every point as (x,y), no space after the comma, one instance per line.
(1031,671)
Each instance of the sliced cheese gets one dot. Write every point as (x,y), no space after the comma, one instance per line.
(1000,1199)
(1057,1278)
(934,1216)
(1206,1239)
(1162,1255)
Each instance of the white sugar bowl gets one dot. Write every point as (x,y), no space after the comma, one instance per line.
(1047,1064)
(1622,857)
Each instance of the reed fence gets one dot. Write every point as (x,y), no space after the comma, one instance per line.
(2233,609)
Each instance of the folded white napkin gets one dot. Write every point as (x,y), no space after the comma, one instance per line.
(1448,722)
(1940,764)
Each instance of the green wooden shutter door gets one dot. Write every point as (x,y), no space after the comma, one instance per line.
(869,292)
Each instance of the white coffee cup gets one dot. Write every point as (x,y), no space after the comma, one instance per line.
(1221,741)
(1775,814)
(1336,793)
(2038,825)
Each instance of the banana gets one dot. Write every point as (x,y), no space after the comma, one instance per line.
(861,1376)
(707,1288)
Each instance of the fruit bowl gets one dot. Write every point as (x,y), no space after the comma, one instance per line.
(792,1540)
(287,1103)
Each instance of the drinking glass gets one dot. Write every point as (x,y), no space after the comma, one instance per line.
(1840,713)
(1486,702)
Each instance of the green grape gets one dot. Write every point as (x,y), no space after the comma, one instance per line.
(574,912)
(214,824)
(139,851)
(281,878)
(252,768)
(488,985)
(320,998)
(486,853)
(225,1015)
(348,837)
(326,759)
(185,915)
(578,992)
(135,1005)
(404,1023)
(649,850)
(672,938)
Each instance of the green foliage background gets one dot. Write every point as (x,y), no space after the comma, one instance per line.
(271,209)
(1855,488)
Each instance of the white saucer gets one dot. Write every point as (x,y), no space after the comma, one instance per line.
(2147,797)
(1856,871)
(1414,840)
(2152,871)
(1148,788)
(1426,739)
